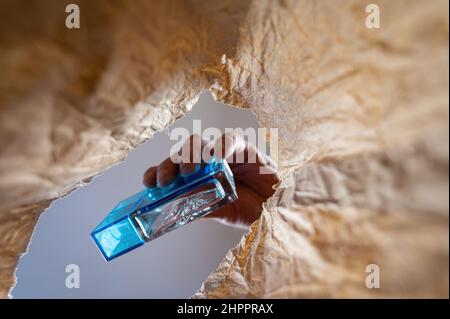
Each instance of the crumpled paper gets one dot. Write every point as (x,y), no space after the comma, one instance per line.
(362,117)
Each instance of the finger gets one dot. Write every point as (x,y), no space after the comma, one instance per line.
(149,178)
(245,210)
(236,150)
(250,167)
(250,176)
(227,145)
(166,172)
(191,151)
(191,154)
(250,173)
(187,168)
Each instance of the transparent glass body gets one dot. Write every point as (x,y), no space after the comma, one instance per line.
(155,211)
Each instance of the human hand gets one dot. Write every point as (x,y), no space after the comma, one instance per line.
(245,161)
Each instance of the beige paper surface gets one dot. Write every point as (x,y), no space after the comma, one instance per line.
(362,117)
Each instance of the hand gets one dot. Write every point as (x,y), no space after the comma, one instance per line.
(253,188)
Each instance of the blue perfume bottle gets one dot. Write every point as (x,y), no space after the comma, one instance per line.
(155,211)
